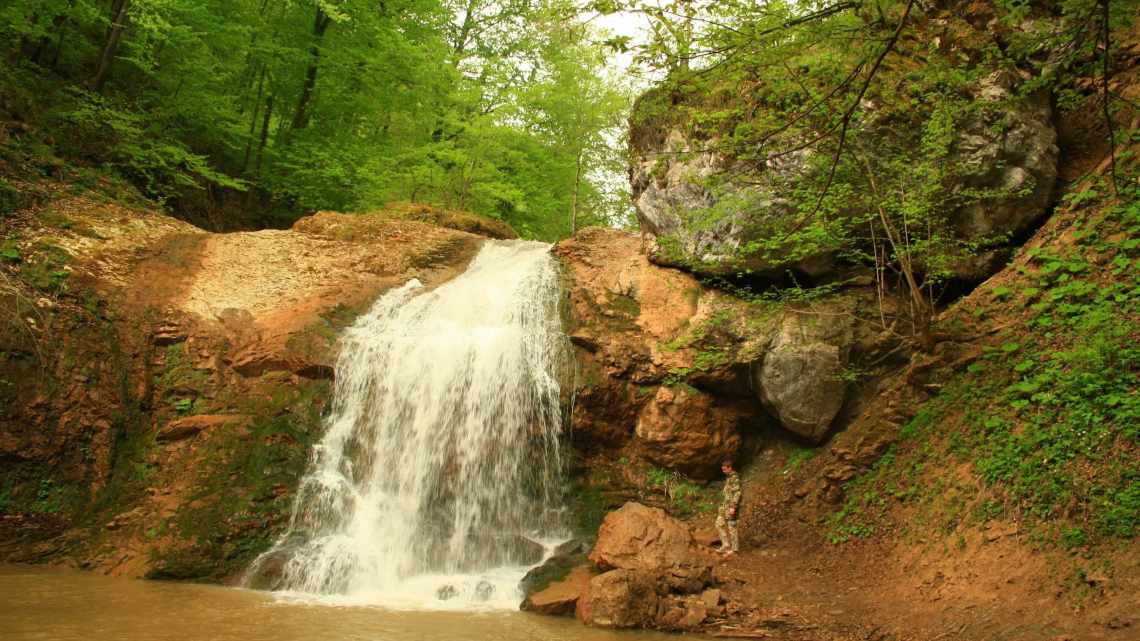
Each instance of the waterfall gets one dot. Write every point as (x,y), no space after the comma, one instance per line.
(438,479)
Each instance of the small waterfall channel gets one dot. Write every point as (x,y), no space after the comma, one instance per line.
(437,483)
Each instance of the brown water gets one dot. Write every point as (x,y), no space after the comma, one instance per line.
(38,604)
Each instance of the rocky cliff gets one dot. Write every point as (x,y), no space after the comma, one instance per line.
(894,462)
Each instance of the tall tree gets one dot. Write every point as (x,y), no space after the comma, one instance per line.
(117,26)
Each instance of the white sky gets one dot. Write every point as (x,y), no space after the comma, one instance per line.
(636,27)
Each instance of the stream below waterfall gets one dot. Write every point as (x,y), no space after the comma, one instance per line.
(43,604)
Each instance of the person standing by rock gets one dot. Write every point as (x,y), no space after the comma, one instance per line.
(726,515)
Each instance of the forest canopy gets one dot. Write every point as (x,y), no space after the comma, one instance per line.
(502,108)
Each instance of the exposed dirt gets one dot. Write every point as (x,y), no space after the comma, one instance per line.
(874,590)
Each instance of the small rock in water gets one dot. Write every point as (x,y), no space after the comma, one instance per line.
(484,591)
(446,592)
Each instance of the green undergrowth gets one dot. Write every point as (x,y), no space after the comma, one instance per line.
(590,496)
(43,266)
(1047,419)
(683,498)
(180,382)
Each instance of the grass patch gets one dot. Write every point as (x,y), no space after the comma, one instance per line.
(683,497)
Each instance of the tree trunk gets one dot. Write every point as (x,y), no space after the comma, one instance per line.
(574,194)
(253,121)
(922,312)
(114,36)
(249,194)
(320,25)
(459,47)
(264,134)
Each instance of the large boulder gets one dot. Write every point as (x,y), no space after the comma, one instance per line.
(560,598)
(1002,153)
(686,222)
(637,537)
(687,430)
(651,565)
(801,379)
(646,539)
(620,599)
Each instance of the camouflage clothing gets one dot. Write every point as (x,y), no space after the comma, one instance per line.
(726,515)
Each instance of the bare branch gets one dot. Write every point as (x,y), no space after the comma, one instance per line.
(846,122)
(1107,101)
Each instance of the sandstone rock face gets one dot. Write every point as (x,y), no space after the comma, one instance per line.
(685,429)
(673,374)
(1008,153)
(800,379)
(623,310)
(190,426)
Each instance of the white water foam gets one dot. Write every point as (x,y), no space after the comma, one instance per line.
(437,483)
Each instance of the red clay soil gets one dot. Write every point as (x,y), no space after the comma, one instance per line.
(790,583)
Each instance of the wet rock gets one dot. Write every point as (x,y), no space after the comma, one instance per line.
(560,598)
(515,549)
(126,518)
(484,591)
(573,546)
(184,428)
(565,557)
(446,592)
(268,571)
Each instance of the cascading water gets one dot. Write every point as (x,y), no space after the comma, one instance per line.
(440,468)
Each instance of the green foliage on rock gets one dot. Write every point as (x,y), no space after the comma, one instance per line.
(896,135)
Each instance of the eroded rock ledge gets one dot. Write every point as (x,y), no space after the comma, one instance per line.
(675,373)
